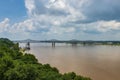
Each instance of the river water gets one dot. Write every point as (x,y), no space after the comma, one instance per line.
(96,62)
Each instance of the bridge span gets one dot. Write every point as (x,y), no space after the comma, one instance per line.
(72,42)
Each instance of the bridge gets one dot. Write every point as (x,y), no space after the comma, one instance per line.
(72,42)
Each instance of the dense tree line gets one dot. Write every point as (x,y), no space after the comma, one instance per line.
(15,65)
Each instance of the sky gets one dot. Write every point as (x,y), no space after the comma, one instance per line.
(60,19)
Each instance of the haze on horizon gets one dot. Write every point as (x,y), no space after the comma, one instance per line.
(60,19)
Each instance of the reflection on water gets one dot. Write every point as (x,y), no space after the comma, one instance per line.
(97,62)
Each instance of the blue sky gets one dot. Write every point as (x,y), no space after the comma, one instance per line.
(60,19)
(13,9)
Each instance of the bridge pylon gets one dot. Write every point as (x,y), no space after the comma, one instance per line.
(27,47)
(53,44)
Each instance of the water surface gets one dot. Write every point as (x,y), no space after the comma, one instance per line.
(97,62)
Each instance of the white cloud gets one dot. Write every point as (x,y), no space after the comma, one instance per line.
(101,26)
(58,18)
(59,4)
(61,30)
(4,25)
(30,6)
(53,14)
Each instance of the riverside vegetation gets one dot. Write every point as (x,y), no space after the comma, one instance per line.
(16,65)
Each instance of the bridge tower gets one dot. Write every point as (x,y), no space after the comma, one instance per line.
(27,47)
(74,44)
(53,44)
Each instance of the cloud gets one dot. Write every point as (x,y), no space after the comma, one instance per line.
(4,25)
(102,10)
(30,6)
(53,15)
(67,19)
(101,26)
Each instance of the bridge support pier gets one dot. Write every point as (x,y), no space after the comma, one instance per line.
(27,46)
(53,44)
(74,44)
(84,43)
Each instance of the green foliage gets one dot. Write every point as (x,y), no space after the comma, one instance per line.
(29,58)
(15,65)
(22,72)
(73,76)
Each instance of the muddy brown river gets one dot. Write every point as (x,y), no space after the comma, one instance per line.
(96,62)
